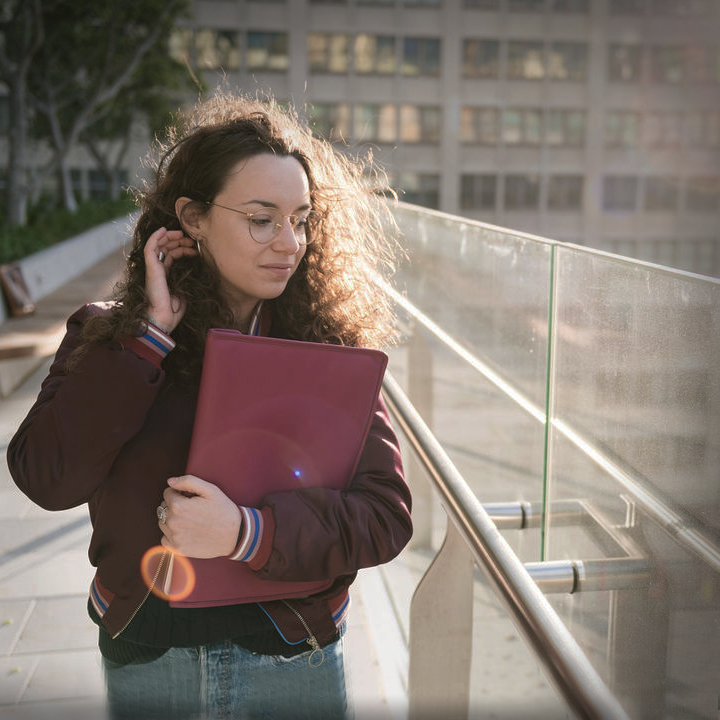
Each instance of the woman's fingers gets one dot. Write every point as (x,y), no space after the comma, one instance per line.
(164,246)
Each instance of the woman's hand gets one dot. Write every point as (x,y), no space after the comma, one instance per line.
(161,250)
(201,520)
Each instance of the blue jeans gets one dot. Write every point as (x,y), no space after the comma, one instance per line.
(224,682)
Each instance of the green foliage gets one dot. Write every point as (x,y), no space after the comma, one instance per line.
(48,227)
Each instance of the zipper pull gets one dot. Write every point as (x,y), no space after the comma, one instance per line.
(317,656)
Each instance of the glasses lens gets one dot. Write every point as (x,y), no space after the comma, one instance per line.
(265,225)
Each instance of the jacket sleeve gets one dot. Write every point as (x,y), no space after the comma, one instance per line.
(319,533)
(63,450)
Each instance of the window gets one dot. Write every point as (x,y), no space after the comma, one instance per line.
(662,129)
(419,124)
(667,64)
(526,5)
(267,51)
(98,185)
(217,49)
(331,121)
(479,125)
(4,115)
(702,129)
(661,193)
(76,181)
(522,192)
(420,188)
(421,56)
(483,4)
(627,7)
(565,128)
(375,123)
(697,8)
(565,192)
(624,63)
(703,194)
(525,61)
(375,54)
(701,63)
(620,192)
(481,58)
(328,53)
(568,61)
(478,192)
(521,127)
(622,129)
(570,6)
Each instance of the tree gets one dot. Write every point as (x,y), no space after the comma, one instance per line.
(159,83)
(21,37)
(92,53)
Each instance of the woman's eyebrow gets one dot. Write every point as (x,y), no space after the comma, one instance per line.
(268,204)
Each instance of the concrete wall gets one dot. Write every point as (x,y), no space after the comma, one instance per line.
(49,269)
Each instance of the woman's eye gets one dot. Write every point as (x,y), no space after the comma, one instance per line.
(261,221)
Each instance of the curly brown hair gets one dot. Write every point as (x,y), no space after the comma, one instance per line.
(332,296)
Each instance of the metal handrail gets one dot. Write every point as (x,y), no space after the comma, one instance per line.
(566,665)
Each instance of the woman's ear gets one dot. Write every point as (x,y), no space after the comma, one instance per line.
(188,215)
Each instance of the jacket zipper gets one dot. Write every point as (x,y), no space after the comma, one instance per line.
(317,656)
(147,594)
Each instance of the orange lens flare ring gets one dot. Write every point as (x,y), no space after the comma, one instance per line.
(167,573)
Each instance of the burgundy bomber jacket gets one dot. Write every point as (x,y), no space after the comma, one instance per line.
(104,433)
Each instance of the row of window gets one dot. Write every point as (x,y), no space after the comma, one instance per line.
(627,193)
(682,8)
(626,63)
(531,127)
(369,54)
(566,128)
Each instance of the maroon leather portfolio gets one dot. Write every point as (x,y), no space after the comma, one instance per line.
(276,415)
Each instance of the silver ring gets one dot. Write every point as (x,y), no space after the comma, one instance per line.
(161,256)
(162,514)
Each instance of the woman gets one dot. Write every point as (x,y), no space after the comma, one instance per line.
(251,223)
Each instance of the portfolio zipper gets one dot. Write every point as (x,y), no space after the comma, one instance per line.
(147,594)
(317,652)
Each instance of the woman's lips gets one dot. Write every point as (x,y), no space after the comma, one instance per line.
(279,269)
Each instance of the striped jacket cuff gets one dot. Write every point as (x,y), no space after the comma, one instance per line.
(154,345)
(251,531)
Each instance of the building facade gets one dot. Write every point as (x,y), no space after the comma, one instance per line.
(588,121)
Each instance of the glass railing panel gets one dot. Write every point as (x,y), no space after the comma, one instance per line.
(486,288)
(635,417)
(496,442)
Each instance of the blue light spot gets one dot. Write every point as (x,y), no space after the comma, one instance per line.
(297,473)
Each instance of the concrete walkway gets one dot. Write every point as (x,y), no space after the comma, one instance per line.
(49,663)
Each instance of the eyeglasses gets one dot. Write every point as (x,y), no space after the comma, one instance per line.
(265,225)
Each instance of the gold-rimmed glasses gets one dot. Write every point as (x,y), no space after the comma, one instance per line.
(266,224)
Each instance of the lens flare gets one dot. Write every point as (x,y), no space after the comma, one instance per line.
(167,573)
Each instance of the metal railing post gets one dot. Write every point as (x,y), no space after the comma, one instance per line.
(440,638)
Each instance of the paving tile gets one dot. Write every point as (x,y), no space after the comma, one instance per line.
(45,575)
(15,674)
(13,616)
(65,675)
(88,709)
(58,623)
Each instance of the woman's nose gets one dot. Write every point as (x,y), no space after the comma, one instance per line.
(286,239)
